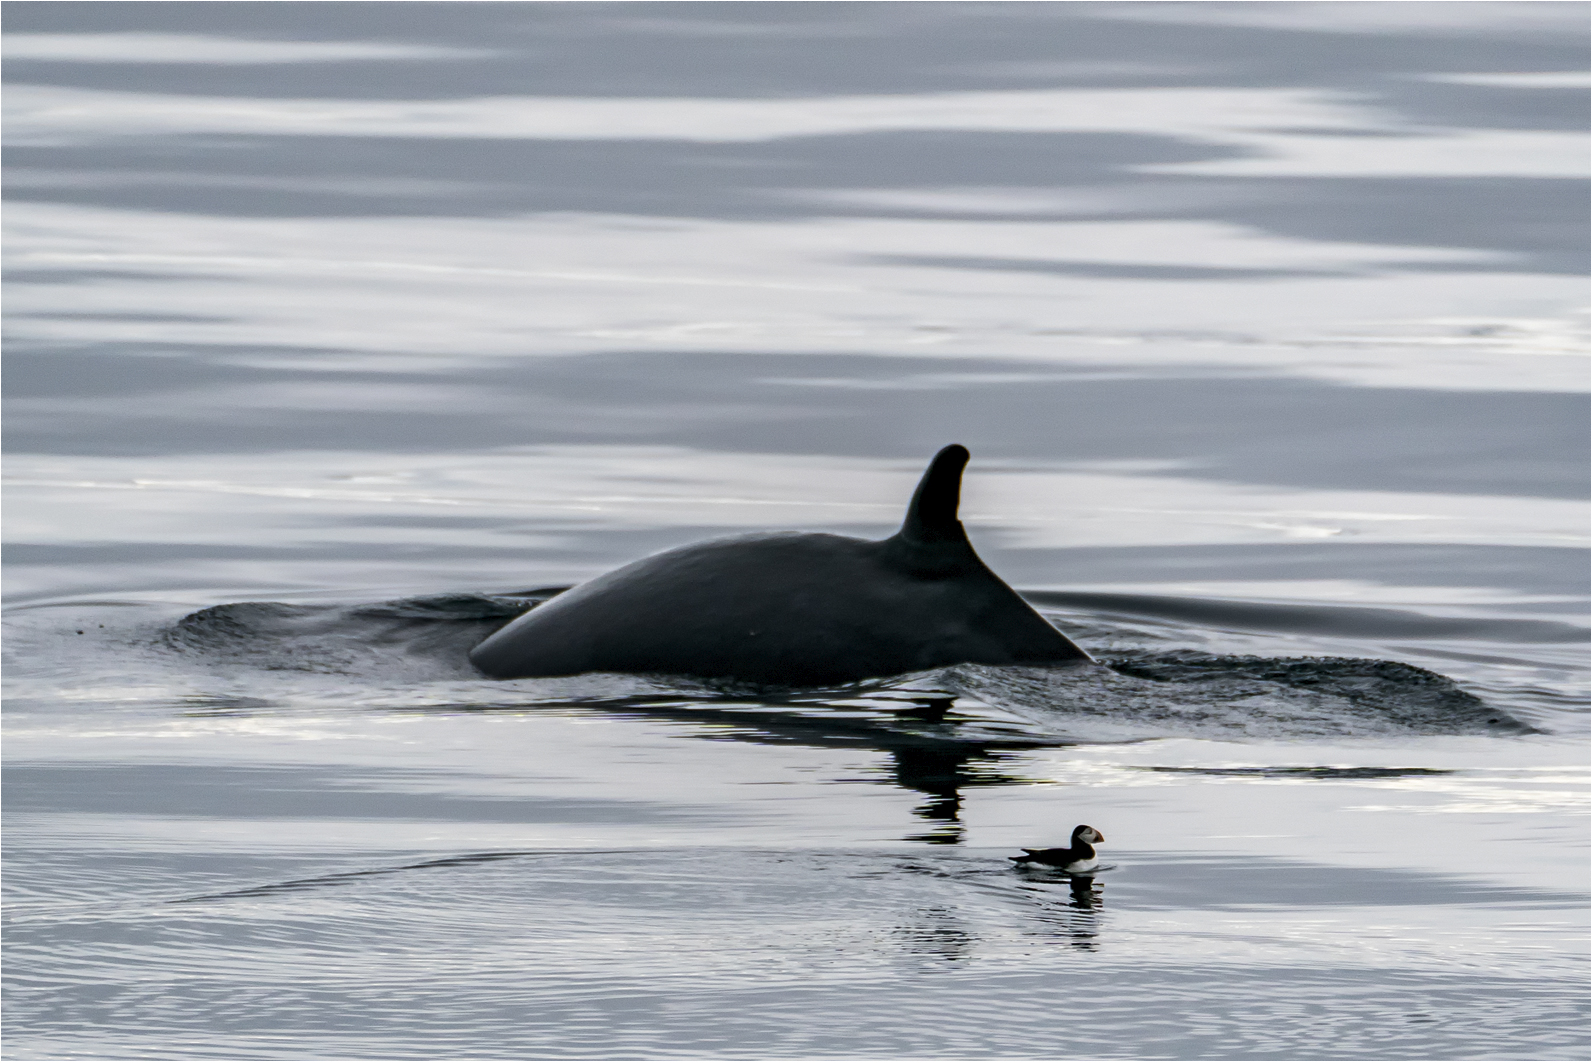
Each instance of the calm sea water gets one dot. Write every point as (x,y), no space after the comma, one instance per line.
(1263,322)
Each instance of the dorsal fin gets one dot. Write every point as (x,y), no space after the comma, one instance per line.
(932,514)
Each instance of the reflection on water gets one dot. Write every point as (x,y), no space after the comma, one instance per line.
(327,323)
(1076,921)
(942,774)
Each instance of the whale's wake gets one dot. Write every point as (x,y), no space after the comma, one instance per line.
(1138,693)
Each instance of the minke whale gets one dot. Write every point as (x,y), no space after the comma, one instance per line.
(792,609)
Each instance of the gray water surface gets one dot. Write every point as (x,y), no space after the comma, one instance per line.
(1264,322)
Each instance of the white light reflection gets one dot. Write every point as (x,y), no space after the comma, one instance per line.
(210,50)
(469,288)
(1038,507)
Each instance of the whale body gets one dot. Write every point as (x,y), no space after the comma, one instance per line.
(792,609)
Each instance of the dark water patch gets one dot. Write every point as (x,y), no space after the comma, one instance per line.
(153,555)
(1130,272)
(1319,772)
(1535,224)
(144,553)
(1316,619)
(1100,270)
(1488,106)
(138,368)
(1527,570)
(144,275)
(1219,882)
(128,315)
(201,792)
(768,50)
(1531,222)
(1207,425)
(332,176)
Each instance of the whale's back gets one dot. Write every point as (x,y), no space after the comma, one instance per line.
(788,609)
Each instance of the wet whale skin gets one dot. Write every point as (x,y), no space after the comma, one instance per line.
(792,608)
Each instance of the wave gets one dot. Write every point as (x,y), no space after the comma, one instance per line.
(1135,693)
(1190,693)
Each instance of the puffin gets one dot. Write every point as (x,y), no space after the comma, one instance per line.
(1078,857)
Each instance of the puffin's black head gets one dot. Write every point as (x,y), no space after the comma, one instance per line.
(1087,834)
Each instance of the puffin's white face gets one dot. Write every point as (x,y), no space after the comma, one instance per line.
(1091,835)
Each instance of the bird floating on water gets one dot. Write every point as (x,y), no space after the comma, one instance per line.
(1077,858)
